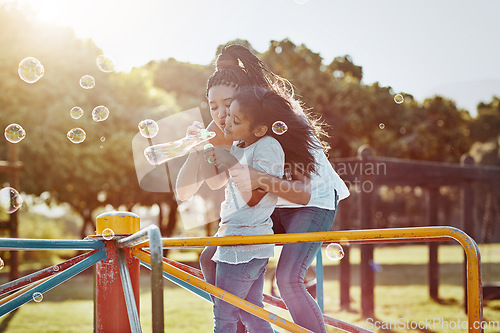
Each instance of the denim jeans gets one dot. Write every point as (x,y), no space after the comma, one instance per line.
(296,258)
(245,280)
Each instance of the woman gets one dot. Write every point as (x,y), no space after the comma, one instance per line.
(308,197)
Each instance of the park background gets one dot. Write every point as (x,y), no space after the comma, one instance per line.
(65,185)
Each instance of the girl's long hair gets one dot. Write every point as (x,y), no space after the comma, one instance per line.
(266,107)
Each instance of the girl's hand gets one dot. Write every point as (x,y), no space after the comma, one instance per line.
(194,130)
(245,178)
(218,156)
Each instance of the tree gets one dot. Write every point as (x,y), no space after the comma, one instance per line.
(100,167)
(486,126)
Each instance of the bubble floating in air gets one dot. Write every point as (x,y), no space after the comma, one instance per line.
(105,63)
(87,82)
(30,70)
(2,264)
(76,135)
(10,200)
(108,234)
(208,145)
(148,128)
(76,112)
(334,251)
(103,138)
(381,125)
(100,113)
(399,98)
(375,266)
(14,133)
(38,297)
(55,268)
(279,127)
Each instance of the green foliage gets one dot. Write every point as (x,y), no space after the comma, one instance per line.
(487,124)
(73,173)
(185,81)
(367,114)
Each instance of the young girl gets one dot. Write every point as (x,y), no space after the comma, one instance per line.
(249,124)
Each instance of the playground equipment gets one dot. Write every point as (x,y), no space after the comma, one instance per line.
(117,300)
(369,172)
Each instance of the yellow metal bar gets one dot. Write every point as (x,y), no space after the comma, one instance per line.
(219,293)
(474,287)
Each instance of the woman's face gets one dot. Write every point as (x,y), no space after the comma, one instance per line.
(219,100)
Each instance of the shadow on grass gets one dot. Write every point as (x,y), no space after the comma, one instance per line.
(447,301)
(6,320)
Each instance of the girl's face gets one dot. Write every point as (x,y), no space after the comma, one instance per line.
(238,127)
(219,100)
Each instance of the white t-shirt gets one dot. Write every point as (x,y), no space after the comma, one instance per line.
(237,218)
(323,185)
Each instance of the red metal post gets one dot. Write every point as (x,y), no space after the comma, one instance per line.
(111,310)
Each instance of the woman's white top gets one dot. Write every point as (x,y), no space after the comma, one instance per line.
(323,186)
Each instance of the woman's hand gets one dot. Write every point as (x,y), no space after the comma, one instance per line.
(218,156)
(245,178)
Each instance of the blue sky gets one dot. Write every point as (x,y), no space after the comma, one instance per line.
(424,47)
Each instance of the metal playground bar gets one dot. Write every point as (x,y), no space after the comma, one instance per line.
(117,273)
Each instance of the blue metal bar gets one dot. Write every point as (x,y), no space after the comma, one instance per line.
(128,293)
(156,247)
(319,281)
(52,270)
(50,244)
(52,282)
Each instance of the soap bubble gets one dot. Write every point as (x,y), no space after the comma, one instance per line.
(279,127)
(398,98)
(105,63)
(108,234)
(103,138)
(208,145)
(55,268)
(10,200)
(76,135)
(381,125)
(30,70)
(37,297)
(14,133)
(334,251)
(87,82)
(375,266)
(100,113)
(1,263)
(148,128)
(210,159)
(76,112)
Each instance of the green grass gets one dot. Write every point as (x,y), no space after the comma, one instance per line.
(401,293)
